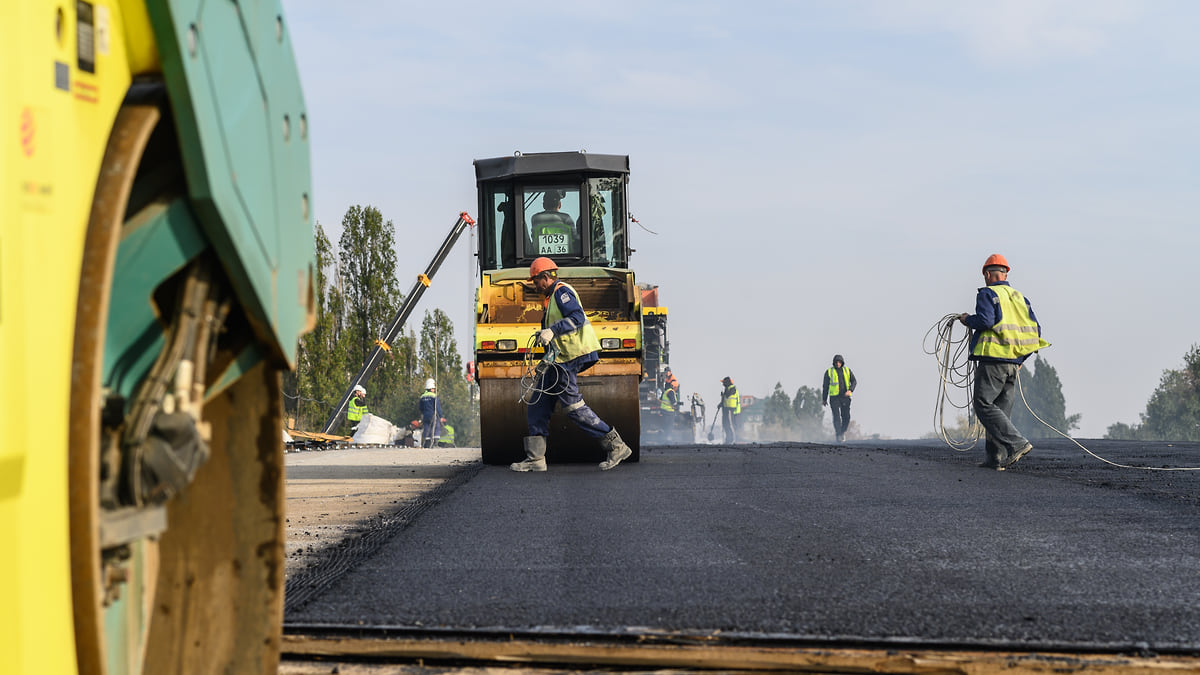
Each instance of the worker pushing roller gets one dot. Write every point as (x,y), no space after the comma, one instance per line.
(1004,332)
(565,327)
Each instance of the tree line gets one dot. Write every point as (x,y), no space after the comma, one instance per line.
(357,295)
(1173,411)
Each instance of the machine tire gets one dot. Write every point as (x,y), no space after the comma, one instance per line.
(209,590)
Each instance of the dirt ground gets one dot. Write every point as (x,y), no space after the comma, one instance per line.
(333,492)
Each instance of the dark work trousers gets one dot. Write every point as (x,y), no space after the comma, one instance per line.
(995,392)
(727,419)
(840,407)
(560,386)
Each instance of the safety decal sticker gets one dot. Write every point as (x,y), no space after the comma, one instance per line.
(62,76)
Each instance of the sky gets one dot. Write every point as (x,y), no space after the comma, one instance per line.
(811,177)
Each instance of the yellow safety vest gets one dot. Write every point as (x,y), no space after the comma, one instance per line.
(835,385)
(733,401)
(1015,334)
(576,343)
(668,400)
(356,411)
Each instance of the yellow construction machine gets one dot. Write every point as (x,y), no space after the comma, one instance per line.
(157,265)
(591,248)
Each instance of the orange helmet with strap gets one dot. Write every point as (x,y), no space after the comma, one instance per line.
(541,265)
(996,259)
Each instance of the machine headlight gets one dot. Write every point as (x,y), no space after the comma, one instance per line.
(610,343)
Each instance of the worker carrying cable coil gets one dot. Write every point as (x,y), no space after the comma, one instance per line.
(564,326)
(1004,332)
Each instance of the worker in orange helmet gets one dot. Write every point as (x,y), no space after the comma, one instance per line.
(566,326)
(1004,332)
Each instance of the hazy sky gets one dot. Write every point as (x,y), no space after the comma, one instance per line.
(820,177)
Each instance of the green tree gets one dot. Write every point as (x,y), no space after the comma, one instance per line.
(809,414)
(777,416)
(1041,390)
(371,294)
(1173,411)
(439,359)
(311,393)
(1124,432)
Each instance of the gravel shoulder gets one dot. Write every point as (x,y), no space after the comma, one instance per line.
(333,493)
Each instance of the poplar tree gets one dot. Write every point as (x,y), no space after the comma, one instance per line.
(1042,391)
(371,296)
(439,359)
(809,413)
(777,413)
(311,393)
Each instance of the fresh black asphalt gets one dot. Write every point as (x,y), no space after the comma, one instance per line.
(872,540)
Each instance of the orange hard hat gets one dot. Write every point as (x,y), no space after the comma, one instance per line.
(996,259)
(540,265)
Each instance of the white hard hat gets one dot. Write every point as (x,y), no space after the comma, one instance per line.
(430,384)
(359,387)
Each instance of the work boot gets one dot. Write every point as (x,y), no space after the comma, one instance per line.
(535,455)
(617,450)
(1017,455)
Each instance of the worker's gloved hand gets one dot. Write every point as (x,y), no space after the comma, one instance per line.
(544,336)
(850,393)
(824,404)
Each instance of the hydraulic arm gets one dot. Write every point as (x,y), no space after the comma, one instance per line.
(393,330)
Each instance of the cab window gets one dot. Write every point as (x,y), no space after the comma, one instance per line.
(606,218)
(552,221)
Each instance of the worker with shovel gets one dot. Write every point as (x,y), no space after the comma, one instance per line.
(731,407)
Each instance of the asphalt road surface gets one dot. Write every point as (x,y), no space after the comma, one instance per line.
(870,540)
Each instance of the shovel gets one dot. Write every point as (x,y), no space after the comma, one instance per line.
(714,424)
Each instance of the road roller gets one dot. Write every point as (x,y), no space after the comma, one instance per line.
(571,208)
(158,267)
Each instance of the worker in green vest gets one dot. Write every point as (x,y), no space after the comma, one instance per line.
(731,407)
(836,391)
(1004,332)
(447,438)
(357,407)
(566,327)
(669,401)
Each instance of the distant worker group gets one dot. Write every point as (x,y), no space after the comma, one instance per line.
(434,429)
(1004,333)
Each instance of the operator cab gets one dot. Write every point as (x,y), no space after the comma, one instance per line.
(567,206)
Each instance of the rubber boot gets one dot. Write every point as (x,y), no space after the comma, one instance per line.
(535,455)
(617,450)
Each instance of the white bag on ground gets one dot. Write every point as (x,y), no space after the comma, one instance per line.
(375,431)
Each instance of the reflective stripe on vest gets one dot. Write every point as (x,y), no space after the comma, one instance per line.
(430,394)
(732,400)
(836,383)
(356,411)
(578,342)
(1015,334)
